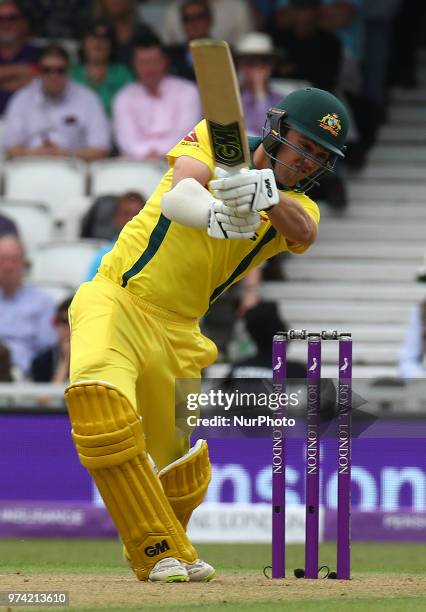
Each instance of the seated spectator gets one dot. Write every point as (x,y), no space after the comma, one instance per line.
(412,354)
(128,206)
(123,17)
(7,226)
(26,313)
(262,322)
(98,222)
(196,23)
(263,14)
(55,116)
(255,62)
(53,364)
(151,114)
(98,69)
(18,58)
(231,19)
(56,18)
(308,47)
(343,18)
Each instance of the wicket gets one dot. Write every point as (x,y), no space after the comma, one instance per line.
(312,489)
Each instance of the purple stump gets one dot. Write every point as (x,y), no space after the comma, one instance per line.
(313,455)
(279,374)
(344,459)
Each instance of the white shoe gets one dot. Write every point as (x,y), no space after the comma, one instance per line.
(168,570)
(200,571)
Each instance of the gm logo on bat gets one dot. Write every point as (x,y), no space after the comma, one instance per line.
(226,142)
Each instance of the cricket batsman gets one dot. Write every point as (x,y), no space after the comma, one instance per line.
(135,326)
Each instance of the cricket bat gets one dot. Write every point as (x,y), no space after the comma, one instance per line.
(221,103)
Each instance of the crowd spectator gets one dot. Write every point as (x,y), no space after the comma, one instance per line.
(378,18)
(262,322)
(26,312)
(343,17)
(53,364)
(255,61)
(55,18)
(308,48)
(123,15)
(231,19)
(263,12)
(110,213)
(55,116)
(18,58)
(406,38)
(412,354)
(196,23)
(128,206)
(151,114)
(7,226)
(97,69)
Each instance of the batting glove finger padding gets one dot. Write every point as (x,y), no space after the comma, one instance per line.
(235,192)
(234,211)
(251,220)
(228,227)
(237,188)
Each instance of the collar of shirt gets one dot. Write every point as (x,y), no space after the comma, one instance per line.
(41,98)
(11,296)
(161,90)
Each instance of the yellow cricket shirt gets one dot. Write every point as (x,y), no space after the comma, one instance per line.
(182,269)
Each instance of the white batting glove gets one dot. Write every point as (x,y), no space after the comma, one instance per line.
(247,191)
(224,223)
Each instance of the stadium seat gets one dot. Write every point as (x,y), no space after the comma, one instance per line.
(33,219)
(115,176)
(63,261)
(57,291)
(67,219)
(52,180)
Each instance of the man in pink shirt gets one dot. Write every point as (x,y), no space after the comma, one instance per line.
(151,114)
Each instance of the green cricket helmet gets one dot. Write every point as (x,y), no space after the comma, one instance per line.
(318,115)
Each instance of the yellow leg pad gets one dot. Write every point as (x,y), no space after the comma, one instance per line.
(185,481)
(109,438)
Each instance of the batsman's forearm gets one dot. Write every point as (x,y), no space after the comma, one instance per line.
(292,221)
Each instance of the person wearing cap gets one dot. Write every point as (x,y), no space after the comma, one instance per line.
(256,58)
(97,69)
(135,333)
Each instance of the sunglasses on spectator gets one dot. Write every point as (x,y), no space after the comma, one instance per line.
(10,18)
(195,17)
(53,69)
